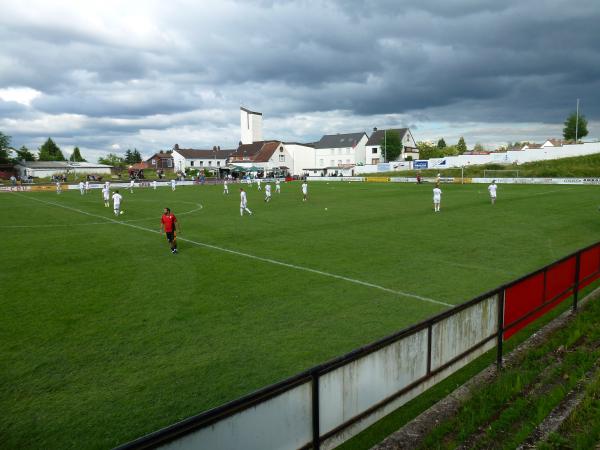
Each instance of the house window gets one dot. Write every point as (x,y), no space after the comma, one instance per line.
(339,162)
(281,158)
(153,162)
(201,163)
(218,163)
(210,163)
(191,163)
(169,163)
(374,150)
(281,148)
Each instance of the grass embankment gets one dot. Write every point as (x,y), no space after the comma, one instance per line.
(503,414)
(578,166)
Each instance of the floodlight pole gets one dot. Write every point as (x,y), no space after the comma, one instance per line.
(577,122)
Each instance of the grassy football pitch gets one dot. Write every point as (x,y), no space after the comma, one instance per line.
(106,336)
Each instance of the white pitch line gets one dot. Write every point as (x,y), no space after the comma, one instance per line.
(248,255)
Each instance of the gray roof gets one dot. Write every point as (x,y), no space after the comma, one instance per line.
(339,140)
(378,136)
(192,153)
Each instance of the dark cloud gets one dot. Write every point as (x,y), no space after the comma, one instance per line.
(193,65)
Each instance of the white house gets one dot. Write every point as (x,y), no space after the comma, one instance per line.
(339,151)
(189,158)
(377,140)
(43,169)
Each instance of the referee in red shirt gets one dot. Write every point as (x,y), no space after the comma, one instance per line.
(168,223)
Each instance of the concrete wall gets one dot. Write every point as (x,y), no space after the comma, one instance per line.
(518,157)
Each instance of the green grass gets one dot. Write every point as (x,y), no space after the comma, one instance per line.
(105,336)
(577,166)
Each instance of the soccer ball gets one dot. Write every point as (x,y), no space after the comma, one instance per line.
(122,212)
(325,209)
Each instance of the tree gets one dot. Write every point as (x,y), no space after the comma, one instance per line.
(136,156)
(461,146)
(392,145)
(112,160)
(571,124)
(4,147)
(478,147)
(49,151)
(76,156)
(23,154)
(128,158)
(428,151)
(441,143)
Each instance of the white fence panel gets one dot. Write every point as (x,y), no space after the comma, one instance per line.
(460,332)
(283,422)
(357,386)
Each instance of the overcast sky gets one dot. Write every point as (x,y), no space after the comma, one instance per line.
(110,75)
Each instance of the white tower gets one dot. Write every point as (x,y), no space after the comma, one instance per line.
(250,126)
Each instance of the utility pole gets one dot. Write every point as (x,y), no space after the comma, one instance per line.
(577,122)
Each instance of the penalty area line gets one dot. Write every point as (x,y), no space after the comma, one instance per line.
(257,258)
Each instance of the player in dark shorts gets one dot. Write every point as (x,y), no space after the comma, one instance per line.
(169,224)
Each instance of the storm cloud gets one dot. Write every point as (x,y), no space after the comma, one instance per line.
(112,75)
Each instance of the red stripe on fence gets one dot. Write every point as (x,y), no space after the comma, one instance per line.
(521,299)
(589,266)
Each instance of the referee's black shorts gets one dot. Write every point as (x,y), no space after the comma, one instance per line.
(170,236)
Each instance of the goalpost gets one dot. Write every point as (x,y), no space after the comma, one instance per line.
(492,173)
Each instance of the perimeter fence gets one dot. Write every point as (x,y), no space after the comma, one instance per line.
(326,405)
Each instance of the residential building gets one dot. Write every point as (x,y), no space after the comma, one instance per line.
(339,150)
(375,145)
(161,160)
(189,158)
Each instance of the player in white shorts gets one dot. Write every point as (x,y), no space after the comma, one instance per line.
(437,198)
(258,184)
(58,187)
(131,185)
(304,191)
(117,202)
(225,187)
(106,196)
(244,203)
(81,187)
(267,192)
(87,187)
(173,184)
(277,187)
(154,185)
(492,188)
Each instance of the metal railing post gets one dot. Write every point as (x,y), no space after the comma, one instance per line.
(315,411)
(576,282)
(501,296)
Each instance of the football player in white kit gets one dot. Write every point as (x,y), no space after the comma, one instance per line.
(173,184)
(437,198)
(277,186)
(87,187)
(117,202)
(304,191)
(154,184)
(81,187)
(492,188)
(106,196)
(244,203)
(258,184)
(131,185)
(225,187)
(58,187)
(267,192)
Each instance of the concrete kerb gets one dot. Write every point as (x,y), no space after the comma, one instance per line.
(411,435)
